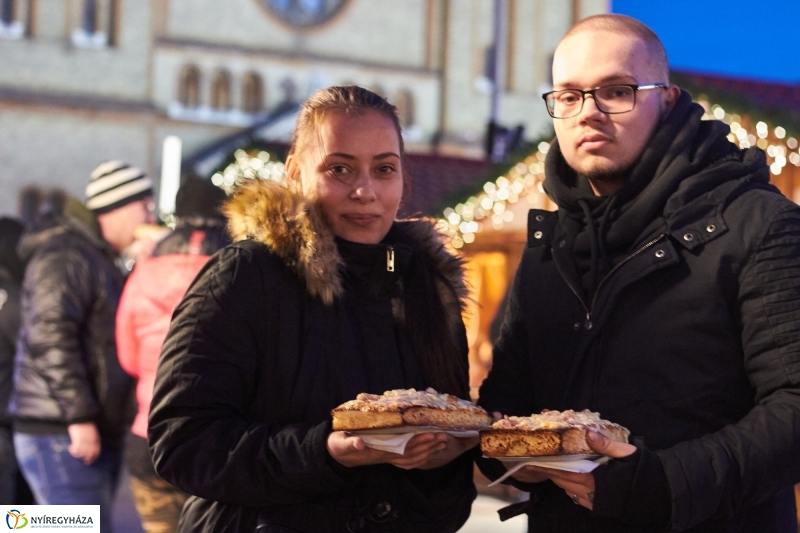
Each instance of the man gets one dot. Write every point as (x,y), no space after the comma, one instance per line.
(663,294)
(71,396)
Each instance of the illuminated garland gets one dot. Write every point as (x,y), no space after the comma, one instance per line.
(247,166)
(489,209)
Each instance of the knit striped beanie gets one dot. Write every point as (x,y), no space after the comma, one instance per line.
(115,184)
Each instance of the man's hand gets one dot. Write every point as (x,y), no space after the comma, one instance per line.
(84,442)
(580,487)
(422,451)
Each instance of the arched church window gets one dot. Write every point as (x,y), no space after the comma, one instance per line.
(11,25)
(221,90)
(289,90)
(404,101)
(189,87)
(8,11)
(89,19)
(97,27)
(252,93)
(378,89)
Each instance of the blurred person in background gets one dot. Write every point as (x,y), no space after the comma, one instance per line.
(11,271)
(70,393)
(324,295)
(151,293)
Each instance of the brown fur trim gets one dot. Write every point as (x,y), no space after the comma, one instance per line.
(294,229)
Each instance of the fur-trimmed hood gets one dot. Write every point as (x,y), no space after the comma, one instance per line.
(294,229)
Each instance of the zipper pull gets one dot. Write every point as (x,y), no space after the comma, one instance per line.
(588,323)
(390,259)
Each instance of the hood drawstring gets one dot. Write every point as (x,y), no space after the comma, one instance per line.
(597,244)
(594,247)
(605,221)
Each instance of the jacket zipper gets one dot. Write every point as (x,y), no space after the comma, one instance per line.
(390,259)
(588,323)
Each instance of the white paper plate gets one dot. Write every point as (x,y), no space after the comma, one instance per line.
(582,463)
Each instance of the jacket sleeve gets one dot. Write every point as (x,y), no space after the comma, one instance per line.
(748,462)
(60,293)
(203,436)
(127,343)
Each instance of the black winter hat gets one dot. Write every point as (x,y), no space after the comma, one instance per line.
(199,197)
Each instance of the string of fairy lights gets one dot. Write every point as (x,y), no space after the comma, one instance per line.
(248,165)
(491,208)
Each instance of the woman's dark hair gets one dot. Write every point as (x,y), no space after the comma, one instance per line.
(427,296)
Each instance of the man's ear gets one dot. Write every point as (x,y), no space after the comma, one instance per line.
(673,92)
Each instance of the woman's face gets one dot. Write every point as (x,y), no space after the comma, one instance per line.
(352,167)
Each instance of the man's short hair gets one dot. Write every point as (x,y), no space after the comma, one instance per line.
(625,25)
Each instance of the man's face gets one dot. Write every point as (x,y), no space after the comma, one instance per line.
(595,144)
(119,226)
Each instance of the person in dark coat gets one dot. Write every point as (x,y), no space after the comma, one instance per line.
(11,271)
(662,294)
(323,296)
(71,397)
(152,291)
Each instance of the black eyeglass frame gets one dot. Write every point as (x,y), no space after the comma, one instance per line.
(636,88)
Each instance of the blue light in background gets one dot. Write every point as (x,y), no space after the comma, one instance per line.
(738,38)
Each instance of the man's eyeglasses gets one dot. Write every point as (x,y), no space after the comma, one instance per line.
(610,99)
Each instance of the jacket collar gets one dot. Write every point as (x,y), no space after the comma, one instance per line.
(54,226)
(293,228)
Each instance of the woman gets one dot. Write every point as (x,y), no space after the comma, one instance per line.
(324,295)
(152,291)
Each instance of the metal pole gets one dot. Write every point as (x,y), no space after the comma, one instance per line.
(498,35)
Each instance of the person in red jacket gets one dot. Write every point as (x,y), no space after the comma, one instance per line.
(153,290)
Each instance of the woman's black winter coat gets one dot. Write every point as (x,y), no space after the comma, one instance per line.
(692,341)
(277,330)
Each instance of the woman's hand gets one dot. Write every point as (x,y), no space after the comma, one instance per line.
(421,451)
(454,447)
(580,487)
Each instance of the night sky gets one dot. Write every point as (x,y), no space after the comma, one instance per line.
(756,39)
